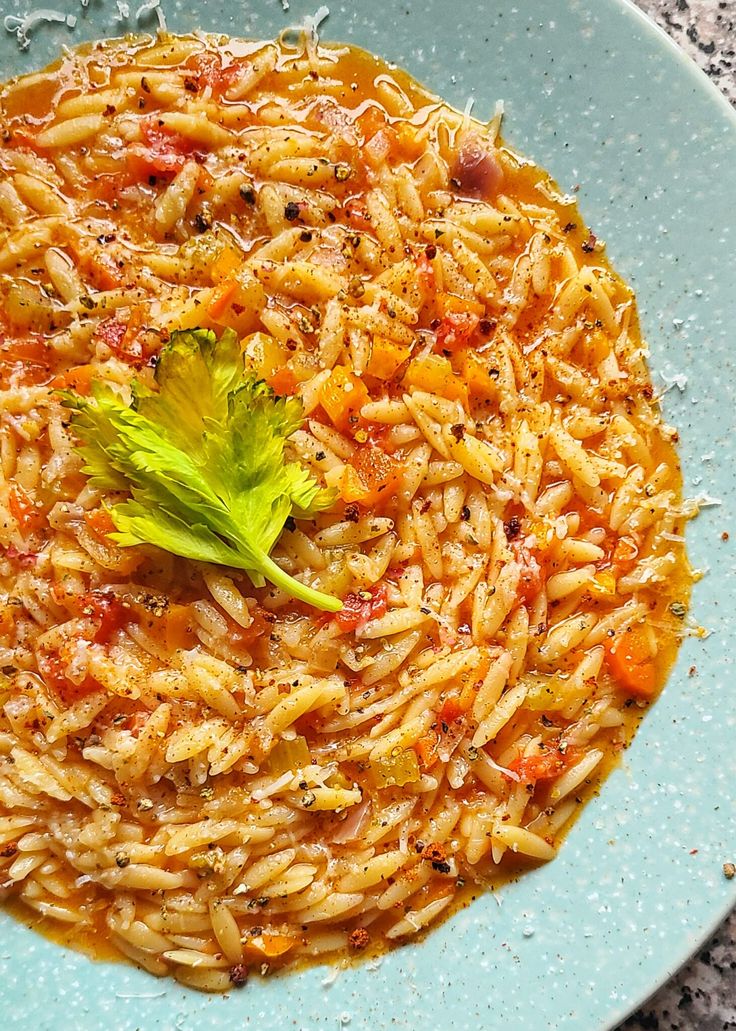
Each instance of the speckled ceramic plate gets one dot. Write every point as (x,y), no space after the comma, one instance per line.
(600,97)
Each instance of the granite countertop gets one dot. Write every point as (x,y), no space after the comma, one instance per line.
(702,996)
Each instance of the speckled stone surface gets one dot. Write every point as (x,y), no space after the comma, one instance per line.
(702,996)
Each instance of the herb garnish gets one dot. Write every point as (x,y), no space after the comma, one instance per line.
(202,459)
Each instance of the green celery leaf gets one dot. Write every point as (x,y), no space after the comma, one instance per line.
(203,460)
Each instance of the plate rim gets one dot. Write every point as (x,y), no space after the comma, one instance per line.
(718,910)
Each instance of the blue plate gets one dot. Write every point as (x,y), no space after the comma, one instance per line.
(599,96)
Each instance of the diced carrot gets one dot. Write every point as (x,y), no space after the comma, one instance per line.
(178,625)
(98,267)
(451,304)
(480,375)
(100,522)
(630,662)
(270,946)
(371,121)
(372,478)
(228,261)
(426,749)
(624,556)
(224,294)
(26,512)
(409,143)
(386,358)
(342,396)
(351,487)
(283,382)
(433,373)
(452,709)
(603,583)
(79,379)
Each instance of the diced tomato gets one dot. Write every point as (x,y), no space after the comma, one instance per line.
(53,670)
(137,721)
(26,512)
(207,72)
(530,583)
(122,340)
(108,611)
(357,215)
(164,154)
(447,728)
(25,361)
(342,396)
(451,710)
(371,478)
(25,559)
(630,662)
(283,382)
(456,330)
(247,636)
(546,766)
(100,522)
(359,609)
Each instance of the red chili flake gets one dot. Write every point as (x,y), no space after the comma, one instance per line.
(359,938)
(512,528)
(434,852)
(8,850)
(589,244)
(352,512)
(117,799)
(239,974)
(693,852)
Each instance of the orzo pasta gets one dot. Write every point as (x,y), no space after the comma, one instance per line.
(216,776)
